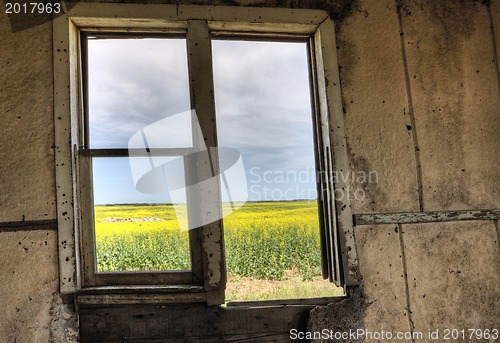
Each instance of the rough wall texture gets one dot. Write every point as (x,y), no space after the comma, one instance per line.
(453,276)
(456,99)
(375,105)
(383,298)
(495,31)
(421,92)
(383,277)
(32,310)
(27,168)
(421,98)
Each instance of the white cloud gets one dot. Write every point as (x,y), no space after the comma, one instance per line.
(134,83)
(263,101)
(262,97)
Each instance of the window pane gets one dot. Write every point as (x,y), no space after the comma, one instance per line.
(139,99)
(135,230)
(264,110)
(134,83)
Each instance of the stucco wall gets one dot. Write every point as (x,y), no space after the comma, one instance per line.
(32,310)
(27,169)
(422,105)
(421,95)
(454,86)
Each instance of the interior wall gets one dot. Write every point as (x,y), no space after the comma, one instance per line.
(32,310)
(422,108)
(421,95)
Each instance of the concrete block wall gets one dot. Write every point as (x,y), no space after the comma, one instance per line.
(421,93)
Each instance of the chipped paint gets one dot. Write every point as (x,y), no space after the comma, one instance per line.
(425,217)
(212,250)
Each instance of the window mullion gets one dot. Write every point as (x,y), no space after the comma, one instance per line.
(204,194)
(86,219)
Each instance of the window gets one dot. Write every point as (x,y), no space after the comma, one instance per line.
(263,109)
(137,125)
(178,45)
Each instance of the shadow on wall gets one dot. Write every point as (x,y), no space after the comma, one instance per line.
(343,316)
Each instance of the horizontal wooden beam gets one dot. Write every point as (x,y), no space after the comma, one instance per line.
(137,294)
(174,17)
(29,225)
(136,299)
(283,302)
(424,217)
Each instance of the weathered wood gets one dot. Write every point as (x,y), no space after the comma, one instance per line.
(124,15)
(65,111)
(135,299)
(329,227)
(190,323)
(134,295)
(161,16)
(331,101)
(252,16)
(162,277)
(136,152)
(262,303)
(204,191)
(139,289)
(86,220)
(265,29)
(424,217)
(29,225)
(339,236)
(196,21)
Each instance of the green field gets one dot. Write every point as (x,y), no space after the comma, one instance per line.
(271,243)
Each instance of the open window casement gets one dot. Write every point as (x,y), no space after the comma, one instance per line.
(339,258)
(77,159)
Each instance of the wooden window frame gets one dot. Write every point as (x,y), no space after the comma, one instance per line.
(200,23)
(202,258)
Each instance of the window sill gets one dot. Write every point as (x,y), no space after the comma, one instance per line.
(285,302)
(134,295)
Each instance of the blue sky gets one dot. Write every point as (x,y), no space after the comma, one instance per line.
(262,104)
